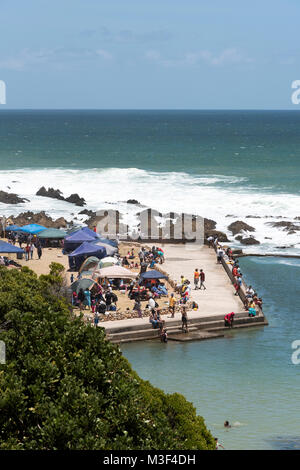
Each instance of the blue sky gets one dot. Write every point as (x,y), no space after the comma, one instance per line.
(149,54)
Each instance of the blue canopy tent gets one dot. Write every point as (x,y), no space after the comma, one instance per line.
(110,250)
(8,248)
(13,228)
(77,238)
(90,232)
(32,229)
(108,242)
(153,274)
(78,256)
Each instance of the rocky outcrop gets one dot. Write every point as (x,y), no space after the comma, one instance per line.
(238,226)
(132,201)
(11,198)
(285,225)
(57,194)
(40,218)
(50,192)
(249,241)
(222,237)
(167,228)
(75,199)
(87,212)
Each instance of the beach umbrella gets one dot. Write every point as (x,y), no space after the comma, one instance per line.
(153,274)
(115,272)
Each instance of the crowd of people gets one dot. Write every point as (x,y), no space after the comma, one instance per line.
(252,301)
(99,300)
(31,243)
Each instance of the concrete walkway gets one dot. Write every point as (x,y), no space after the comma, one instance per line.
(217,299)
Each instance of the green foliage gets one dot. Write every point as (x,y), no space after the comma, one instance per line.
(65,386)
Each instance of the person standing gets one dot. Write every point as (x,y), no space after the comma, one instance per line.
(81,298)
(27,252)
(184,320)
(96,319)
(196,279)
(172,303)
(39,251)
(152,304)
(137,307)
(87,298)
(202,279)
(31,250)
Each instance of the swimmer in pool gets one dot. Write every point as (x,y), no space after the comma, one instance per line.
(227,425)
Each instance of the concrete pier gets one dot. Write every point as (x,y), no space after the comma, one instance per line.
(214,303)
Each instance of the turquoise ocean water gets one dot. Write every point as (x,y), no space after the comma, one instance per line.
(219,164)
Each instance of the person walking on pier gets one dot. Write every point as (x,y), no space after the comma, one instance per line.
(196,279)
(202,279)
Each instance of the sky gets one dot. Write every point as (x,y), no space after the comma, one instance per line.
(149,54)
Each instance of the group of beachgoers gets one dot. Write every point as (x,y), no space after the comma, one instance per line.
(252,301)
(99,300)
(159,323)
(30,241)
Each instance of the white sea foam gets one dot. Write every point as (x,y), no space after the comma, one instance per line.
(212,196)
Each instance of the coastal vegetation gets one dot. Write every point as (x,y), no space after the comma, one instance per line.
(65,386)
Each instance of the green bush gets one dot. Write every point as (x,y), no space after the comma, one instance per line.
(64,386)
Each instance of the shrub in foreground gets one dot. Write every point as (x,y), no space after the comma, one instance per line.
(64,386)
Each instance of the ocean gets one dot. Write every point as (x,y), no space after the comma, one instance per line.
(224,165)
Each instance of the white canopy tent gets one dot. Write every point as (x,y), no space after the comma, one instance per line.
(115,272)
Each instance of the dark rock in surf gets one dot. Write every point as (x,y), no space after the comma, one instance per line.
(249,241)
(133,201)
(11,198)
(87,212)
(285,225)
(50,192)
(75,199)
(238,226)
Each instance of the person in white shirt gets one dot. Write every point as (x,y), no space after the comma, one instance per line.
(151,303)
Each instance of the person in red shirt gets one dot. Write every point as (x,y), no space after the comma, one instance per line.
(228,319)
(202,279)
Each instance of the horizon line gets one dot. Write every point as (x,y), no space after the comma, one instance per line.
(148,109)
